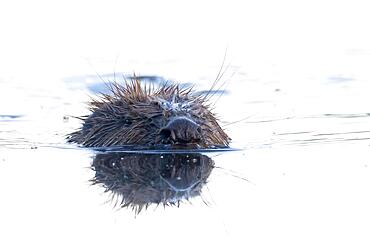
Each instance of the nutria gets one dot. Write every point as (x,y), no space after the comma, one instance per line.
(132,113)
(137,180)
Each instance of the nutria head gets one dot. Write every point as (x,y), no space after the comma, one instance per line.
(142,115)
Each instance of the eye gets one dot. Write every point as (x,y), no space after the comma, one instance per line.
(155,103)
(125,121)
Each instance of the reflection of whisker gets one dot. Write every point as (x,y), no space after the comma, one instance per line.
(210,195)
(205,201)
(221,215)
(109,199)
(233,174)
(115,196)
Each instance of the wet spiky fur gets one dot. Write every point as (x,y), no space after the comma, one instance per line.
(133,113)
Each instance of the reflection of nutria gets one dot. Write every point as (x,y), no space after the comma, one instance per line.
(137,180)
(142,115)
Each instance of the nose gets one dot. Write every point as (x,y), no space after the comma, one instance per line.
(181,130)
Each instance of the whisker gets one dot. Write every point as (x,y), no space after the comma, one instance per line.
(237,121)
(225,83)
(92,66)
(218,77)
(114,70)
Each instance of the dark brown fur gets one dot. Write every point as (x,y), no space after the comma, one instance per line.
(142,115)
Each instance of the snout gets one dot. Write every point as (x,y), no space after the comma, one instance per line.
(181,130)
